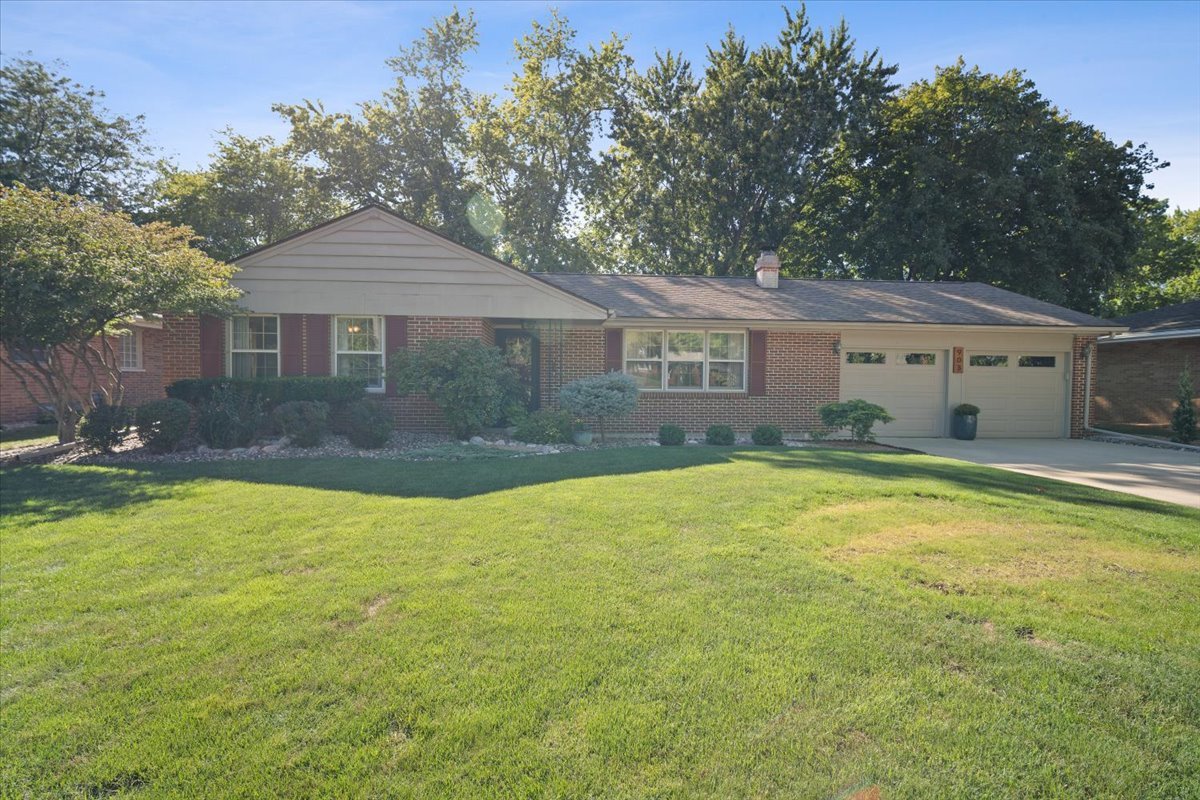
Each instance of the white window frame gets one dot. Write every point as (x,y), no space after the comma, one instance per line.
(665,359)
(230,350)
(135,336)
(382,352)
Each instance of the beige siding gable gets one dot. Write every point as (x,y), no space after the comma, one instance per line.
(372,262)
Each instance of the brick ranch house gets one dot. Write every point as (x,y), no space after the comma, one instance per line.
(1137,373)
(139,356)
(341,297)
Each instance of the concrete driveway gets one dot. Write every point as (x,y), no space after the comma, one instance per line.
(1170,475)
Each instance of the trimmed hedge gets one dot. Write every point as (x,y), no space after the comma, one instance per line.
(104,427)
(671,435)
(767,435)
(302,421)
(720,434)
(368,425)
(545,427)
(337,392)
(229,418)
(162,424)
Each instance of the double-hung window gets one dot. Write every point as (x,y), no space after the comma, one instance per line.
(131,351)
(358,349)
(686,360)
(254,346)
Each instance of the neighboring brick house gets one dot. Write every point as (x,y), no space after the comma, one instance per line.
(139,354)
(340,298)
(1137,373)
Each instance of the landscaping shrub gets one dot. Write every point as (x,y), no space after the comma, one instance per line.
(545,427)
(368,424)
(104,427)
(600,397)
(767,435)
(162,424)
(671,435)
(303,421)
(966,410)
(337,392)
(1183,419)
(229,418)
(720,434)
(857,415)
(467,379)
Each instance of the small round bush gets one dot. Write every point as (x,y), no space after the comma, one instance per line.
(720,434)
(104,427)
(302,421)
(368,425)
(671,435)
(229,418)
(767,435)
(162,424)
(545,427)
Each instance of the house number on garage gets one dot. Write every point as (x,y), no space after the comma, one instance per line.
(958,360)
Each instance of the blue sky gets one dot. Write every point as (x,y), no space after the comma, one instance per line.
(1131,69)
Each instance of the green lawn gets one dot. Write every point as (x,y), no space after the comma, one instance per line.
(652,622)
(29,435)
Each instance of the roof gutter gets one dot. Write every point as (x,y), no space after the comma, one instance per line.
(824,325)
(1150,336)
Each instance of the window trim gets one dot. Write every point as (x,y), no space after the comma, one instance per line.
(230,349)
(382,352)
(134,335)
(664,360)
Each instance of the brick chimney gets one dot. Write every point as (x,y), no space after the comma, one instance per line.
(766,270)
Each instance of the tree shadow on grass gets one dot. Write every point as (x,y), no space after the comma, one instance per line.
(38,494)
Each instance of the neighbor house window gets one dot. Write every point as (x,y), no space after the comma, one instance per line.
(686,360)
(1036,361)
(989,361)
(865,358)
(131,351)
(254,346)
(358,349)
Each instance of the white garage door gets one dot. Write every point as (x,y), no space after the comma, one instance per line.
(909,383)
(1019,394)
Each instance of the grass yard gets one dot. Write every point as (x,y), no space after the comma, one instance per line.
(649,622)
(29,435)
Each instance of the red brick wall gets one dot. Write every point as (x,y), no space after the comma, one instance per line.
(803,371)
(181,348)
(1136,382)
(140,386)
(1079,389)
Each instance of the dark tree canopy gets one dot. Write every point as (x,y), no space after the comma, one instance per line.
(978,177)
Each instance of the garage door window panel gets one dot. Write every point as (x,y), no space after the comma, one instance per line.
(989,361)
(860,357)
(1042,362)
(920,359)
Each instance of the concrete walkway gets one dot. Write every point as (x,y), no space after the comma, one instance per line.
(1170,475)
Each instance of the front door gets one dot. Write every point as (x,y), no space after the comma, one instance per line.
(520,350)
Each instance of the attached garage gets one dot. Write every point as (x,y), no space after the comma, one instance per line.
(1020,394)
(909,383)
(1020,381)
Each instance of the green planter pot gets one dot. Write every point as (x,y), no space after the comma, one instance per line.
(582,437)
(964,427)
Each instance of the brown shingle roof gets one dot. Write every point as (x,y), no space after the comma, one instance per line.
(1181,316)
(691,297)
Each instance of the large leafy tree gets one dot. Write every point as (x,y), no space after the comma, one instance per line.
(978,177)
(703,173)
(252,193)
(57,134)
(70,272)
(1166,267)
(533,150)
(407,150)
